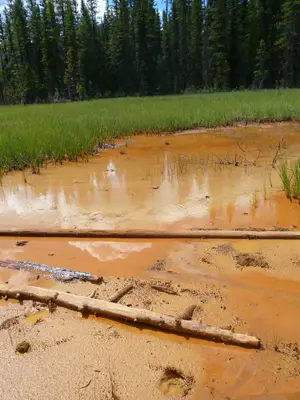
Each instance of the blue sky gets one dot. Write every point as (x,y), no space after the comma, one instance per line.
(2,2)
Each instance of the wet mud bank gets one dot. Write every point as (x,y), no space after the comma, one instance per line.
(211,179)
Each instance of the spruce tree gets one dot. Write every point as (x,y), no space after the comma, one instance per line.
(288,44)
(196,44)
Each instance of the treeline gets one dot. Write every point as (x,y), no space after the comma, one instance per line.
(56,49)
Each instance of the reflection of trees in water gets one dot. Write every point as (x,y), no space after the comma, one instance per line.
(118,193)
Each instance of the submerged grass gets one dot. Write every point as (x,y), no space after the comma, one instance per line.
(32,136)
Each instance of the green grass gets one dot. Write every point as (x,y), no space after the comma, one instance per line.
(286,178)
(31,136)
(290,178)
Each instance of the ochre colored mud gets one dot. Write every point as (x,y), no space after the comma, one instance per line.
(162,182)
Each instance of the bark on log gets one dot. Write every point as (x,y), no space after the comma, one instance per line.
(148,234)
(58,274)
(121,293)
(188,313)
(136,315)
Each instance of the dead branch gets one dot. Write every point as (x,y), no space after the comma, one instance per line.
(86,385)
(258,157)
(164,289)
(135,315)
(240,147)
(93,295)
(121,293)
(280,146)
(188,313)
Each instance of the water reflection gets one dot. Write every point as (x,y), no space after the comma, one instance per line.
(149,187)
(109,251)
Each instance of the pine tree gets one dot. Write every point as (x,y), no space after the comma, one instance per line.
(121,50)
(196,44)
(217,17)
(269,18)
(51,57)
(288,43)
(147,46)
(35,34)
(71,59)
(21,45)
(165,60)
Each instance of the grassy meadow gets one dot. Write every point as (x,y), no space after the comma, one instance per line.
(31,136)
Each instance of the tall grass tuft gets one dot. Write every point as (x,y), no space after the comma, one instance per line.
(286,178)
(296,179)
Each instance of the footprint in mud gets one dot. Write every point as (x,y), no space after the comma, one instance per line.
(174,384)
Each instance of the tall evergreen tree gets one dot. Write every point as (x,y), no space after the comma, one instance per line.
(52,60)
(71,59)
(196,44)
(289,44)
(217,17)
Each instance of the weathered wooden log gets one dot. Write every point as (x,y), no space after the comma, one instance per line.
(58,274)
(121,293)
(193,233)
(136,315)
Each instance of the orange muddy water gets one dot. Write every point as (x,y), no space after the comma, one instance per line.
(178,181)
(221,179)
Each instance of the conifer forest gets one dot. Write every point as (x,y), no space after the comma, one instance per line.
(54,50)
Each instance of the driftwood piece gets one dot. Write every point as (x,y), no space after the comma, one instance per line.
(148,234)
(188,313)
(58,274)
(121,293)
(136,315)
(164,289)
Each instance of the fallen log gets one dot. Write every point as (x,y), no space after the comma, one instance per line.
(194,233)
(121,293)
(58,274)
(136,315)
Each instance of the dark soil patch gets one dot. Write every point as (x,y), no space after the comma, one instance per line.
(292,350)
(245,260)
(224,249)
(8,323)
(159,265)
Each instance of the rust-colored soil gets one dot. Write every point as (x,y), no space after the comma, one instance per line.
(249,286)
(145,363)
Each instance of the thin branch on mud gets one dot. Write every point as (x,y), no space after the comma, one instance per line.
(257,158)
(88,384)
(164,289)
(280,147)
(240,147)
(121,293)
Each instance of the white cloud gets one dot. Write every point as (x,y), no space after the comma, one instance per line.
(101,7)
